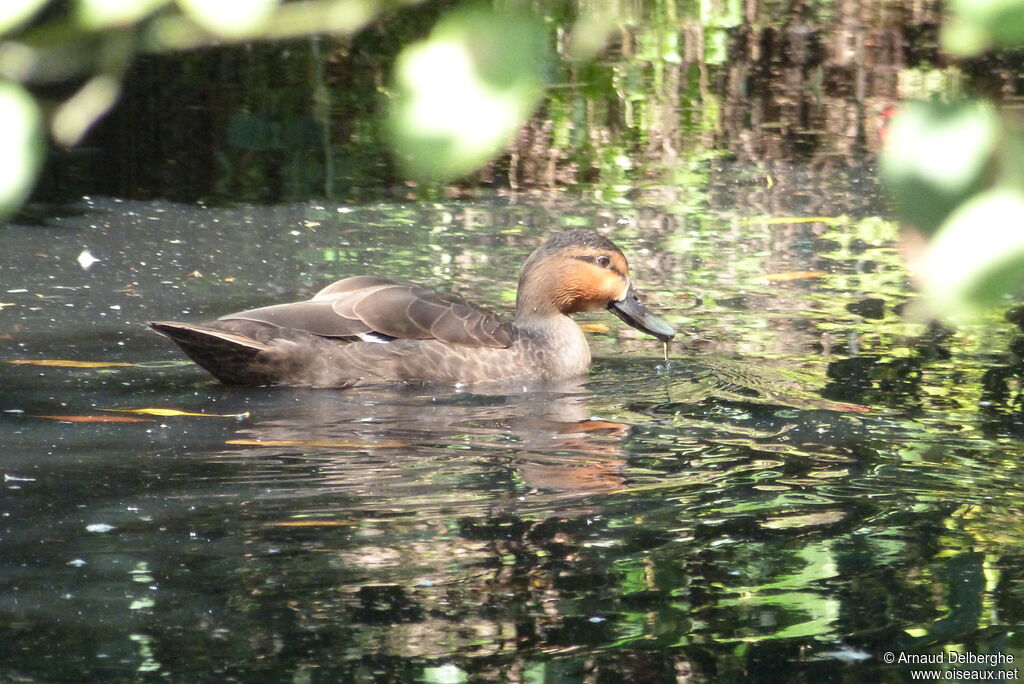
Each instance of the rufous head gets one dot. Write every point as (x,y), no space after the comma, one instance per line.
(579,270)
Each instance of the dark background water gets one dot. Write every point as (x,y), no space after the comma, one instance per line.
(722,515)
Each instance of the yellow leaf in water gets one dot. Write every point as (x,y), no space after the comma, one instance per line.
(175,412)
(64,363)
(794,275)
(595,327)
(384,444)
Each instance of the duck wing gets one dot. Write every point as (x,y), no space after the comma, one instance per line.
(384,308)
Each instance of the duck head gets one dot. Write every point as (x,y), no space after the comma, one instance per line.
(579,270)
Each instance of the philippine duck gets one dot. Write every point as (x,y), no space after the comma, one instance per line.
(370,330)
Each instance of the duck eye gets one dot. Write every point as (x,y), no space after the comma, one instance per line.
(603,261)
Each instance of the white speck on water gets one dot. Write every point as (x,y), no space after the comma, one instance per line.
(76,562)
(99,528)
(86,260)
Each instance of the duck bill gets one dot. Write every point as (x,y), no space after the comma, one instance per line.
(632,311)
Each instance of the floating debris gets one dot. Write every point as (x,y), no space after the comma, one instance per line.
(67,363)
(86,260)
(175,412)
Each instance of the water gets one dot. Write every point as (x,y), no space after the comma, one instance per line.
(730,514)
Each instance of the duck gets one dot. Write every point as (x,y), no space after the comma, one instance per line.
(370,330)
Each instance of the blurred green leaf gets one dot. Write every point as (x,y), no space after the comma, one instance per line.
(976,25)
(101,14)
(590,34)
(464,92)
(978,256)
(230,18)
(14,12)
(72,119)
(936,156)
(21,144)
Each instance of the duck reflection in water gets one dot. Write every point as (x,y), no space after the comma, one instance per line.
(388,444)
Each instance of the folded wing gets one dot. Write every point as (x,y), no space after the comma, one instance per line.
(367,305)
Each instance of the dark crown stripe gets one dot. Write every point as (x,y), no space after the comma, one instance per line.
(592,259)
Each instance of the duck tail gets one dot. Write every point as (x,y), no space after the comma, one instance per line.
(228,356)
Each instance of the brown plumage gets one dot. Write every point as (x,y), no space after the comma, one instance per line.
(368,329)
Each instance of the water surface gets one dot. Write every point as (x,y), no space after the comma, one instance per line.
(728,514)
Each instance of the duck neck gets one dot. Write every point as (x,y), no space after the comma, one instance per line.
(536,311)
(553,341)
(550,339)
(532,306)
